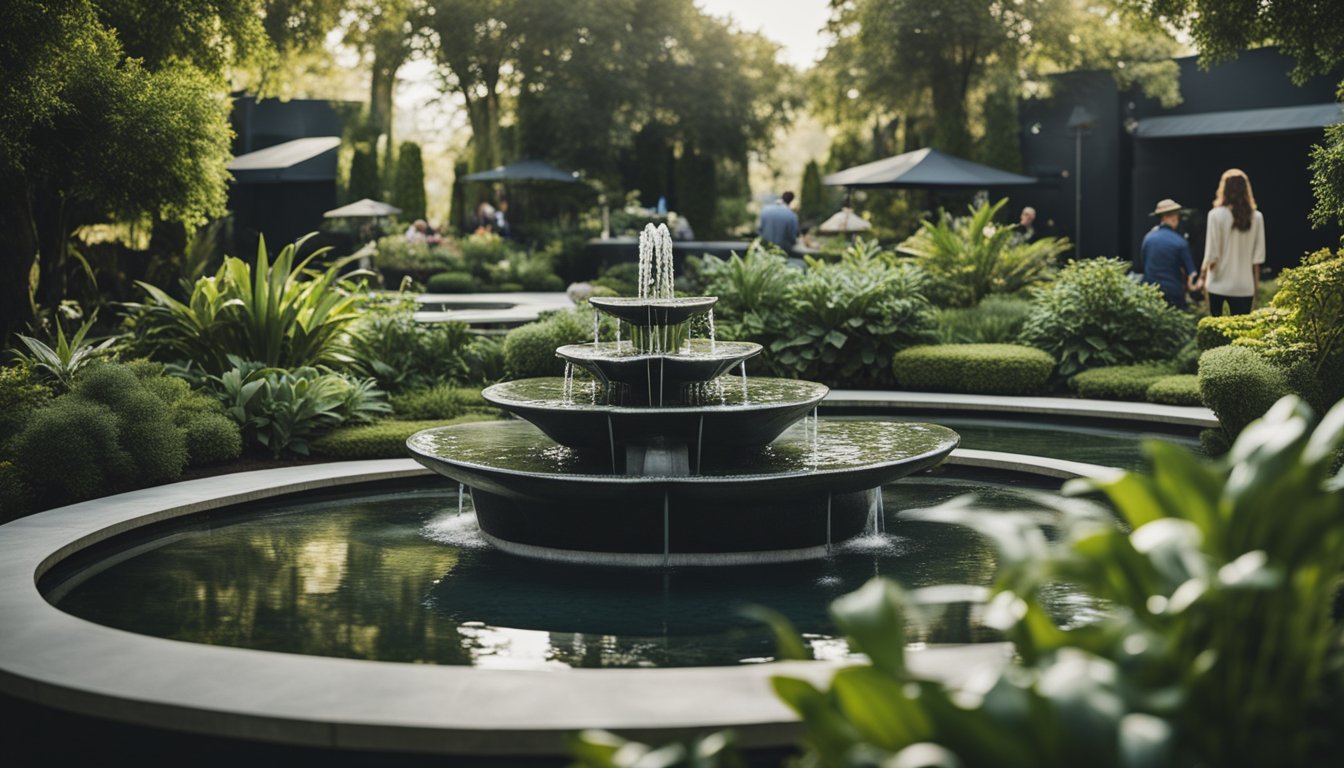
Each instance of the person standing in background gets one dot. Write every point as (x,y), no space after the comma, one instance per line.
(1234,246)
(1025,228)
(779,224)
(1165,256)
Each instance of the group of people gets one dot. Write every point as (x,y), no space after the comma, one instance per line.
(491,219)
(1234,249)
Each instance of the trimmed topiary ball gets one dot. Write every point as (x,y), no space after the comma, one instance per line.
(1239,386)
(529,350)
(1181,389)
(69,451)
(990,369)
(1119,382)
(145,428)
(211,438)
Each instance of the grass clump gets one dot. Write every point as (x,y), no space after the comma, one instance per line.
(992,369)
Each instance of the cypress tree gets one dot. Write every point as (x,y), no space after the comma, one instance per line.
(408,187)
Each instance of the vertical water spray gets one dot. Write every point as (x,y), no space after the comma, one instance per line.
(712,342)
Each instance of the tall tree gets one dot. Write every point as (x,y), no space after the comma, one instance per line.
(87,135)
(408,188)
(385,31)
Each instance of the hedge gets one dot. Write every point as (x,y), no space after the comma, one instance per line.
(451,282)
(1119,382)
(1239,386)
(1180,389)
(439,402)
(380,440)
(991,369)
(529,350)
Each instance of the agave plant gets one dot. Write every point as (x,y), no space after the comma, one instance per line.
(64,360)
(280,313)
(969,258)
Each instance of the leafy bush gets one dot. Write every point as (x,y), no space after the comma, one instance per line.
(282,410)
(524,271)
(485,359)
(212,438)
(1119,382)
(1217,648)
(846,319)
(969,258)
(1093,315)
(990,369)
(1217,330)
(395,256)
(451,282)
(1238,385)
(383,440)
(621,279)
(281,314)
(529,350)
(481,253)
(438,402)
(69,451)
(995,320)
(20,393)
(1179,389)
(402,354)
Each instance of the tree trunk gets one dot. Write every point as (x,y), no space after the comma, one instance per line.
(951,133)
(53,242)
(382,84)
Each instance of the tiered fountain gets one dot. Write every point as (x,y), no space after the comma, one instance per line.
(666,456)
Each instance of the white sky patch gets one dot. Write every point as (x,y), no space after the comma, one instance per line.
(794,24)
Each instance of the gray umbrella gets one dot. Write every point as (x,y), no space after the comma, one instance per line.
(363,209)
(926,169)
(524,170)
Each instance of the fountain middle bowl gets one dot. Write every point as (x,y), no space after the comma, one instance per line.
(659,377)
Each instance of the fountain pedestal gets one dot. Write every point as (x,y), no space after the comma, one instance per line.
(666,458)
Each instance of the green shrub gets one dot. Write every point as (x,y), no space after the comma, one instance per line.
(402,354)
(64,360)
(438,402)
(16,498)
(1180,389)
(485,360)
(145,428)
(482,253)
(1093,315)
(451,282)
(20,393)
(1238,385)
(844,320)
(995,320)
(1217,330)
(621,279)
(1119,382)
(280,313)
(968,258)
(211,438)
(529,350)
(396,256)
(987,369)
(383,440)
(69,451)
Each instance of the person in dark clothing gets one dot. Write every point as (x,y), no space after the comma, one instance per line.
(779,224)
(1165,256)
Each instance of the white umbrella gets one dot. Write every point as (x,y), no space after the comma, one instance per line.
(365,208)
(845,220)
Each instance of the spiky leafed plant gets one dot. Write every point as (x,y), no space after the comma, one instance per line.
(280,313)
(971,257)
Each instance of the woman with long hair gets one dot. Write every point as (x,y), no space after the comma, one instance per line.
(1234,246)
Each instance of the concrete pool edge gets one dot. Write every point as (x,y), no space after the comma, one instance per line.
(58,660)
(1112,410)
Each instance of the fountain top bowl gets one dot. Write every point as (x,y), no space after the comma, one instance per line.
(649,312)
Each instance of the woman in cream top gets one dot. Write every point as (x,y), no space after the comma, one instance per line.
(1234,246)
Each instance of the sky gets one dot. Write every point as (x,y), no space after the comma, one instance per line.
(795,24)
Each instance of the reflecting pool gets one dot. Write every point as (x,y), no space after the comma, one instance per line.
(400,573)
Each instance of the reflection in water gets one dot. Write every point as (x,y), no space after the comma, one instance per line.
(403,576)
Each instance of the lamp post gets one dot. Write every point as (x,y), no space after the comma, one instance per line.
(1080,122)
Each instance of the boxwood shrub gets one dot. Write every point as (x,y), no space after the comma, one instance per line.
(529,350)
(1180,389)
(380,440)
(439,402)
(1119,382)
(451,282)
(992,369)
(1239,385)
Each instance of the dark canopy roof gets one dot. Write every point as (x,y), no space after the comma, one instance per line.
(925,168)
(524,170)
(1241,122)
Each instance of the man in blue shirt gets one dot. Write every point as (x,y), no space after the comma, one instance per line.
(779,224)
(1165,256)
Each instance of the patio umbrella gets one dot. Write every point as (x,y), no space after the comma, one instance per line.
(363,209)
(925,169)
(524,170)
(844,221)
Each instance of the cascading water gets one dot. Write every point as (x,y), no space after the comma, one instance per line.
(664,465)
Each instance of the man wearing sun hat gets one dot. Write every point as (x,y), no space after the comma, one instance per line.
(1165,256)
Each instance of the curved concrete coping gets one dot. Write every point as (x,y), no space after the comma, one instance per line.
(56,659)
(510,308)
(1178,415)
